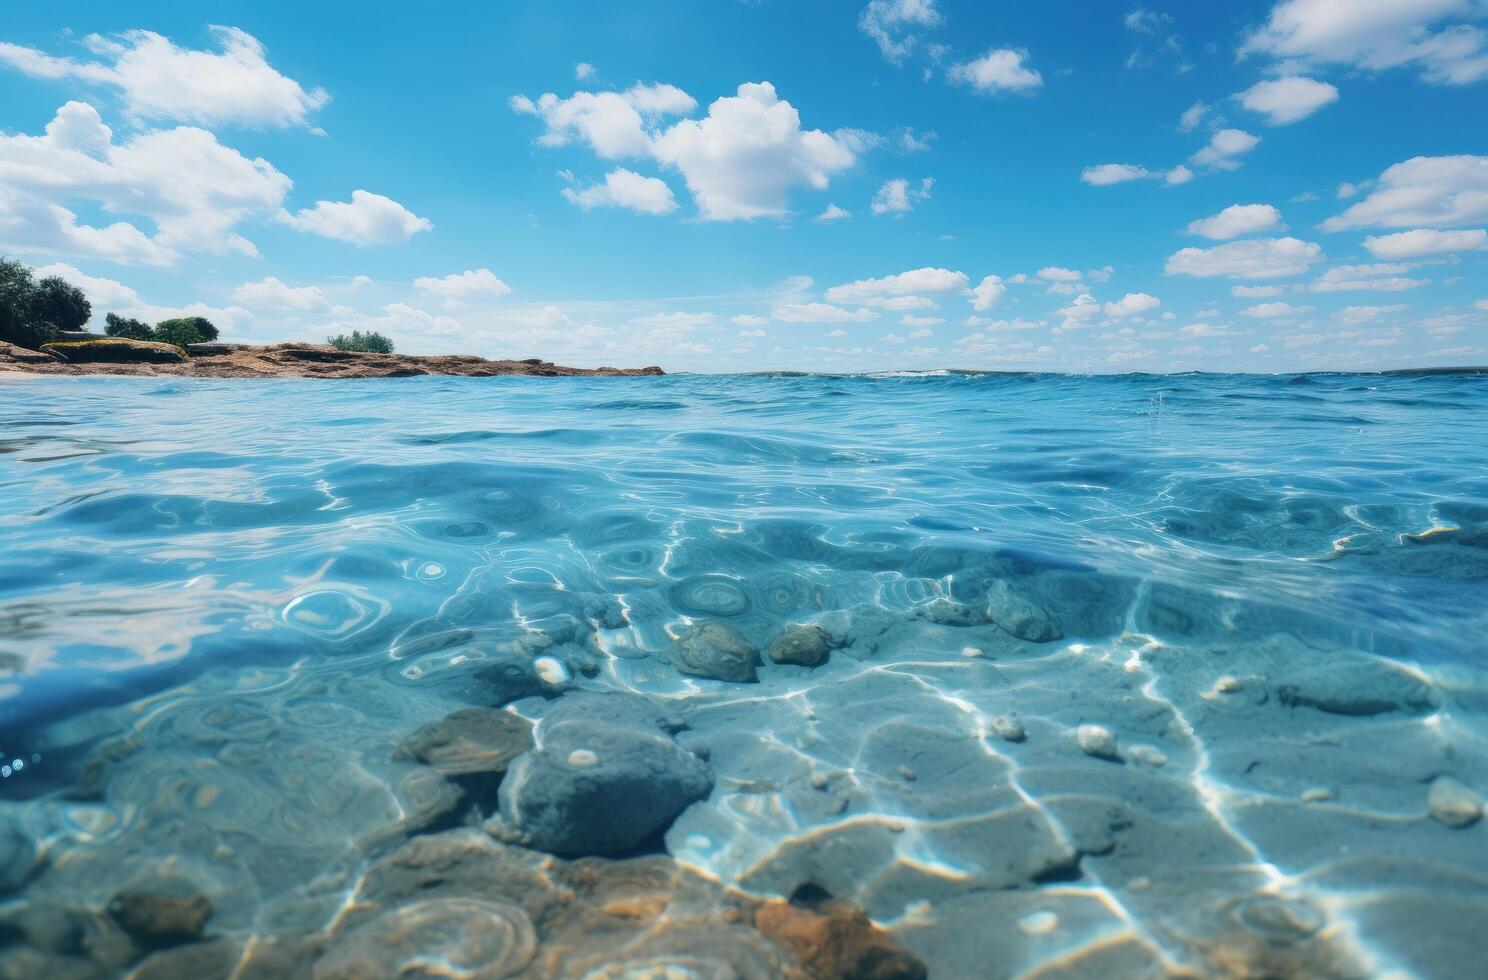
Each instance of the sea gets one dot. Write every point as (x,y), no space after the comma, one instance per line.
(1044,675)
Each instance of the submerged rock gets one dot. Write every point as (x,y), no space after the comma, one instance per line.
(17,854)
(716,651)
(471,740)
(949,612)
(1020,617)
(1453,803)
(834,939)
(466,937)
(1097,741)
(155,919)
(1009,728)
(596,787)
(807,646)
(1366,687)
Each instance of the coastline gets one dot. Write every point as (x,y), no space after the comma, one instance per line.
(295,360)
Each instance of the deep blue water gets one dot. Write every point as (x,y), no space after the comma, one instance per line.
(224,604)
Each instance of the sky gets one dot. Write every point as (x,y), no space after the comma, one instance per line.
(717,185)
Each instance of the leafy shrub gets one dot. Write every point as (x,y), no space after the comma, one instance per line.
(130,329)
(18,322)
(184,330)
(56,301)
(370,342)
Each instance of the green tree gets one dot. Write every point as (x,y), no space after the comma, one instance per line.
(130,329)
(18,323)
(56,301)
(370,342)
(185,330)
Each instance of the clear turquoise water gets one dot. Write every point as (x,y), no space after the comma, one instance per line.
(224,604)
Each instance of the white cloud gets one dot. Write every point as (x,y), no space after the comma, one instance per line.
(988,293)
(271,293)
(1383,277)
(921,321)
(1270,311)
(1376,35)
(912,285)
(1223,147)
(1106,174)
(743,159)
(1287,100)
(460,287)
(159,81)
(999,70)
(1192,117)
(1131,304)
(1054,273)
(106,294)
(833,213)
(986,323)
(821,313)
(898,196)
(1256,292)
(625,189)
(583,71)
(1426,241)
(1236,220)
(1075,315)
(367,219)
(1255,258)
(1178,175)
(1422,191)
(1355,315)
(1347,190)
(675,323)
(891,23)
(614,124)
(749,320)
(78,160)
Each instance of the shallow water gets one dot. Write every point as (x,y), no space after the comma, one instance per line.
(225,605)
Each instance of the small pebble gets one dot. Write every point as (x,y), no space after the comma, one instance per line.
(1039,923)
(1225,685)
(1009,727)
(1097,741)
(1148,755)
(971,652)
(820,780)
(1318,794)
(1453,803)
(582,757)
(907,773)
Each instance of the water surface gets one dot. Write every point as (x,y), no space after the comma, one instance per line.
(225,605)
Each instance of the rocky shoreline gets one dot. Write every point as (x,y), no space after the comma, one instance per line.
(290,360)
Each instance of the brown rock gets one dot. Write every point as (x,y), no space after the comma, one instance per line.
(157,920)
(13,356)
(115,350)
(832,940)
(470,740)
(807,646)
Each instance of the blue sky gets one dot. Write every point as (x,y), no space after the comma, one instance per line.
(745,186)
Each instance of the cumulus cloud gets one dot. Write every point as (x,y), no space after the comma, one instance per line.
(103,293)
(1224,146)
(1269,311)
(77,160)
(899,196)
(833,213)
(1237,220)
(625,189)
(1256,292)
(1287,100)
(160,81)
(271,293)
(999,70)
(892,24)
(1365,314)
(988,293)
(1380,277)
(367,219)
(461,287)
(1055,273)
(1192,117)
(1420,192)
(1105,174)
(583,71)
(821,313)
(743,159)
(1255,258)
(1077,314)
(1131,304)
(1376,36)
(882,291)
(613,124)
(1426,241)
